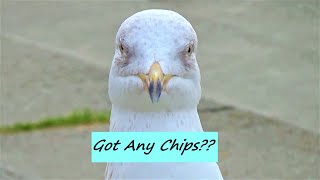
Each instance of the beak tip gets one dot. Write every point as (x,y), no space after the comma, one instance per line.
(155,91)
(154,99)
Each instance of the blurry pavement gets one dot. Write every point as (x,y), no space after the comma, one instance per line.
(257,55)
(260,56)
(250,147)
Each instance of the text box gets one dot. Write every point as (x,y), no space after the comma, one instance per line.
(154,147)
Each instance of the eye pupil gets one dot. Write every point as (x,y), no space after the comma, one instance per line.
(189,50)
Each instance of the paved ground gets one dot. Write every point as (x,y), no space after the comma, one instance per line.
(256,55)
(250,147)
(38,83)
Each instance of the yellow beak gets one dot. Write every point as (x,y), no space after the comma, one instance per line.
(155,81)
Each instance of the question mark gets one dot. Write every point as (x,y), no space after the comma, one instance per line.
(203,144)
(213,142)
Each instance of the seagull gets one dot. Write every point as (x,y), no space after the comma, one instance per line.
(154,86)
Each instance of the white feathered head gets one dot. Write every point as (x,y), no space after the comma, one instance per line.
(154,66)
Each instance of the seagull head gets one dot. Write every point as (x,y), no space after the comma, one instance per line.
(154,66)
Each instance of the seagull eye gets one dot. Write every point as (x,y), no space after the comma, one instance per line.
(121,48)
(190,48)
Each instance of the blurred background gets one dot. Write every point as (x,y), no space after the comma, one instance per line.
(259,63)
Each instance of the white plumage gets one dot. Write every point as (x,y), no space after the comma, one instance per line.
(154,85)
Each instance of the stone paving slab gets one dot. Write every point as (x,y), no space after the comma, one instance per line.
(250,147)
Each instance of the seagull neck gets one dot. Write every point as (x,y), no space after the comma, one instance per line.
(132,121)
